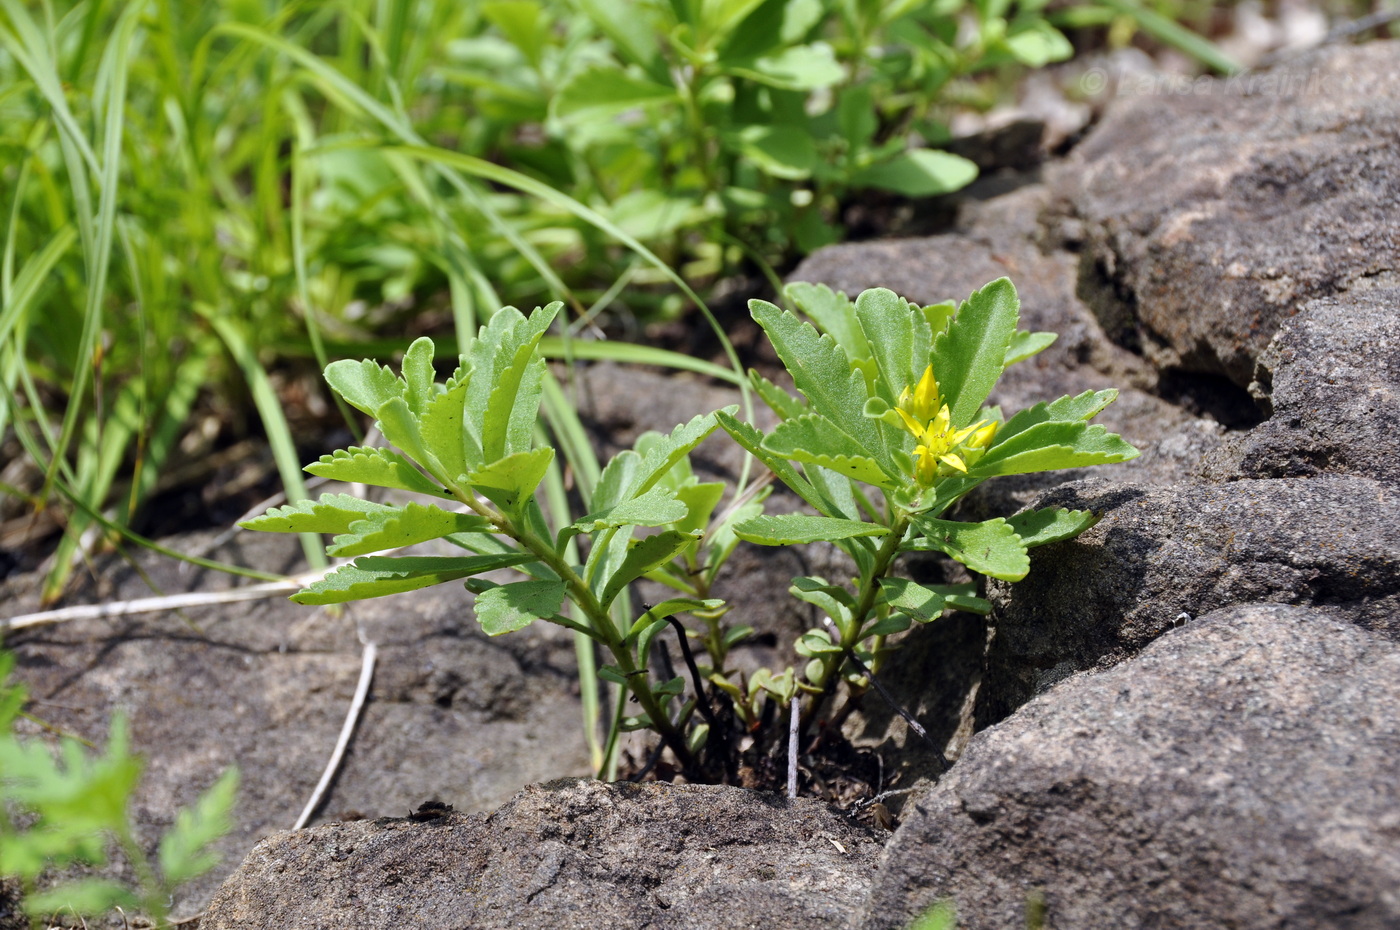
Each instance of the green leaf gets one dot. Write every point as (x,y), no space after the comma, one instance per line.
(894,623)
(657,507)
(629,475)
(673,606)
(800,67)
(630,33)
(604,88)
(401,427)
(444,432)
(814,439)
(184,849)
(1052,446)
(510,482)
(511,607)
(700,500)
(815,643)
(921,603)
(418,374)
(1065,409)
(781,402)
(643,556)
(970,357)
(377,576)
(1025,344)
(752,441)
(855,114)
(899,336)
(790,528)
(1038,44)
(508,422)
(990,547)
(366,385)
(834,314)
(786,152)
(835,600)
(1050,524)
(382,468)
(920,173)
(332,513)
(822,371)
(404,526)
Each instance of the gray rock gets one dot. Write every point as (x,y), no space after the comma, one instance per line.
(566,855)
(1240,773)
(1210,218)
(1332,380)
(1331,542)
(265,685)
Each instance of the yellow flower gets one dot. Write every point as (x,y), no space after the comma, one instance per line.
(941,449)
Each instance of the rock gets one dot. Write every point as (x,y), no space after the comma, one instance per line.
(1238,773)
(569,854)
(265,685)
(1331,378)
(1210,218)
(1331,542)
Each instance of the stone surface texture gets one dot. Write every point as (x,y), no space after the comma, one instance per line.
(1239,772)
(1210,218)
(568,854)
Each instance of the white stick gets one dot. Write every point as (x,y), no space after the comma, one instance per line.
(346,731)
(794,720)
(143,605)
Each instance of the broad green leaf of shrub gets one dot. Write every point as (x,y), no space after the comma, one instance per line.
(331,513)
(377,576)
(791,528)
(657,507)
(365,385)
(404,526)
(383,468)
(780,151)
(834,314)
(970,355)
(512,607)
(1065,409)
(990,547)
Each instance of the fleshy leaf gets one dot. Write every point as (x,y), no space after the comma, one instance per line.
(510,482)
(822,372)
(332,513)
(814,439)
(1052,446)
(511,607)
(399,425)
(446,436)
(782,403)
(919,602)
(990,547)
(1050,524)
(835,600)
(1066,409)
(644,555)
(366,385)
(1025,344)
(657,507)
(382,468)
(899,335)
(630,477)
(918,173)
(376,576)
(752,440)
(970,357)
(513,405)
(789,528)
(418,374)
(404,526)
(833,313)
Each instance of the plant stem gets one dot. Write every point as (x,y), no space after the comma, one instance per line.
(865,603)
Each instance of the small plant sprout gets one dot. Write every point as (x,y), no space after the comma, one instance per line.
(891,430)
